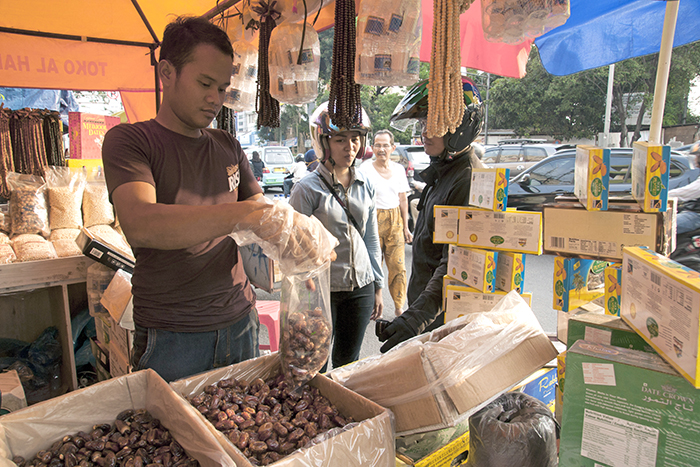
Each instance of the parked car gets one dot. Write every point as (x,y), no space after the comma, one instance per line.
(278,162)
(554,176)
(519,154)
(413,159)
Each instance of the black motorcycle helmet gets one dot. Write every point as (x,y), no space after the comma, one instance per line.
(414,106)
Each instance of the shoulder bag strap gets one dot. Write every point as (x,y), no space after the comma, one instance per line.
(340,201)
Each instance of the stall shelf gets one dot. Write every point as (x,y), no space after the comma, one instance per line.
(37,294)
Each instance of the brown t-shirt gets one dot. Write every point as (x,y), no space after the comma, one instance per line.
(197,289)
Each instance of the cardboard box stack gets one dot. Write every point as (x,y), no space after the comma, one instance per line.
(592,177)
(489,189)
(651,164)
(613,289)
(577,281)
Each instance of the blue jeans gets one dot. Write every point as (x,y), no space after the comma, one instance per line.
(175,355)
(687,221)
(350,312)
(287,186)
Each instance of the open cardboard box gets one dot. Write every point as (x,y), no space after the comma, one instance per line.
(439,379)
(25,432)
(370,443)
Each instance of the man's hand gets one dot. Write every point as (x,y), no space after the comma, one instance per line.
(396,332)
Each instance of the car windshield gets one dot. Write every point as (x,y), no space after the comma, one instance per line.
(278,156)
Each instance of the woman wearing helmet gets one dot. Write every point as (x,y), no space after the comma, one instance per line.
(343,200)
(448,178)
(688,218)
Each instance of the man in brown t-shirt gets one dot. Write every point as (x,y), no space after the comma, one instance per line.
(180,188)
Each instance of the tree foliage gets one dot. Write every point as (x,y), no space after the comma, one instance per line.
(573,106)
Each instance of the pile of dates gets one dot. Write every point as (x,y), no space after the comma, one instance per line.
(267,420)
(304,345)
(136,439)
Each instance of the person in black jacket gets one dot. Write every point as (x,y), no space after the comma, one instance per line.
(258,166)
(447,183)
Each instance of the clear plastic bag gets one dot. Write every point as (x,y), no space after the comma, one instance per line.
(97,210)
(294,78)
(388,43)
(5,224)
(4,239)
(7,254)
(65,187)
(31,247)
(513,21)
(112,238)
(65,248)
(298,243)
(305,325)
(29,212)
(241,93)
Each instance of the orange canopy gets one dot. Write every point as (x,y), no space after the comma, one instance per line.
(94,45)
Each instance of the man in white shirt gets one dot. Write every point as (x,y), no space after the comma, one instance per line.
(391,184)
(297,171)
(688,219)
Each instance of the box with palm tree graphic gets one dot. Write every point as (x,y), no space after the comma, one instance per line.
(592,177)
(577,282)
(613,289)
(473,267)
(650,172)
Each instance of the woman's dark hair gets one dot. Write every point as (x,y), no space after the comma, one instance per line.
(187,32)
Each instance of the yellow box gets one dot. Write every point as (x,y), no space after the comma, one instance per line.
(446,224)
(592,177)
(489,189)
(561,377)
(510,271)
(462,300)
(576,282)
(473,267)
(613,289)
(661,302)
(517,231)
(89,164)
(650,168)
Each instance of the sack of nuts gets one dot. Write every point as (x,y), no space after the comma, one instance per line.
(305,325)
(29,212)
(65,186)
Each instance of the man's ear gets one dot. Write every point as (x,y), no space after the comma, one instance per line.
(166,70)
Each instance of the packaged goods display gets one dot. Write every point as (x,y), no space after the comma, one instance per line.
(294,58)
(240,95)
(7,254)
(661,302)
(460,300)
(65,188)
(510,271)
(626,407)
(5,224)
(592,177)
(473,267)
(97,210)
(366,442)
(4,239)
(30,247)
(604,329)
(577,281)
(87,132)
(513,21)
(489,189)
(613,289)
(388,43)
(651,164)
(28,205)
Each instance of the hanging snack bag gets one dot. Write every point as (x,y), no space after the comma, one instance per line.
(305,325)
(241,93)
(28,208)
(97,210)
(388,43)
(294,60)
(65,187)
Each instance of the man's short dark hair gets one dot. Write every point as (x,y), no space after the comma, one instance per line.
(187,32)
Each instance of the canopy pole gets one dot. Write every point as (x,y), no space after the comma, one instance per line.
(657,110)
(608,106)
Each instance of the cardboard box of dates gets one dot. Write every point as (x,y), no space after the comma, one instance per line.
(366,441)
(38,427)
(438,379)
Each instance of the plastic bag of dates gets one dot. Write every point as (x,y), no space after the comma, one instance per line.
(305,325)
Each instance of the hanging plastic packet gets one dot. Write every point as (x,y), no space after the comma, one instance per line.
(305,325)
(294,74)
(240,95)
(388,43)
(513,21)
